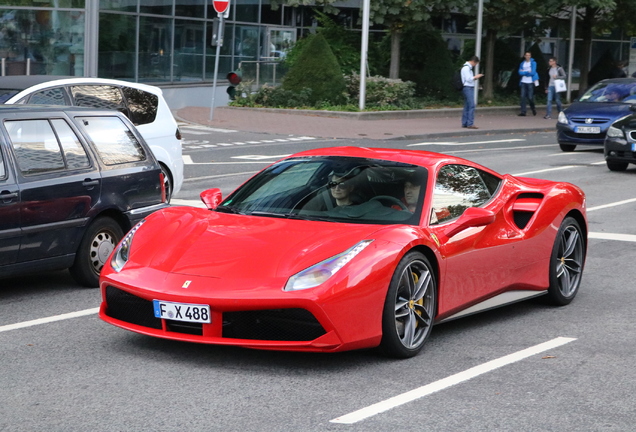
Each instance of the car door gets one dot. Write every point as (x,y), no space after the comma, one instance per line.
(59,185)
(9,210)
(480,260)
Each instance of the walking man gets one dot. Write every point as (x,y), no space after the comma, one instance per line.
(555,72)
(469,80)
(528,73)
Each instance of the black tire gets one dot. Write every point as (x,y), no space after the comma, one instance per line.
(617,166)
(409,308)
(566,263)
(98,242)
(567,147)
(167,181)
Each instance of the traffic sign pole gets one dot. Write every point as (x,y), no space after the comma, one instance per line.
(220,6)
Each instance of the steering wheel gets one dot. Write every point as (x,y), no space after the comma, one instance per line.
(391,199)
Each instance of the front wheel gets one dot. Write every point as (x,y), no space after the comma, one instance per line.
(616,166)
(566,262)
(567,147)
(167,182)
(409,308)
(98,242)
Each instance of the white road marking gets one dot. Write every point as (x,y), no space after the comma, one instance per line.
(497,149)
(547,170)
(456,143)
(450,381)
(611,236)
(614,204)
(198,144)
(192,128)
(47,320)
(260,157)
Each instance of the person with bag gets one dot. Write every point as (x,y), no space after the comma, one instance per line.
(468,90)
(529,78)
(555,86)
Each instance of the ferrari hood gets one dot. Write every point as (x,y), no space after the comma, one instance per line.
(203,243)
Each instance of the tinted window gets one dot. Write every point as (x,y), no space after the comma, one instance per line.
(73,151)
(98,96)
(35,146)
(115,143)
(611,92)
(459,187)
(52,96)
(141,105)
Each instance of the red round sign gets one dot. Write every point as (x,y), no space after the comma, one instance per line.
(220,6)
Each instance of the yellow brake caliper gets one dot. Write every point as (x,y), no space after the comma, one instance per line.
(420,302)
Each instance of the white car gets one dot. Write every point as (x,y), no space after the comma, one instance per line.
(143,104)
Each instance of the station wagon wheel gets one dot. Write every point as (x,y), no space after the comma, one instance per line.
(98,242)
(566,262)
(167,181)
(567,147)
(409,308)
(617,166)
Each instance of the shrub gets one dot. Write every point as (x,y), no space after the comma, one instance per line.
(316,68)
(382,92)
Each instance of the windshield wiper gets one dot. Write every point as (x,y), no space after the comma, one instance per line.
(228,209)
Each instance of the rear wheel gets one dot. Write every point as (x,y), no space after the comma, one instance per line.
(566,262)
(617,166)
(167,182)
(567,147)
(98,242)
(409,308)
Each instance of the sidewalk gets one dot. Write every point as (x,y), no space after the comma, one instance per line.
(376,125)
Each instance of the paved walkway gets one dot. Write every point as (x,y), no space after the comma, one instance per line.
(383,125)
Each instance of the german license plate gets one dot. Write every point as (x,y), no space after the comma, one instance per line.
(633,147)
(588,129)
(182,311)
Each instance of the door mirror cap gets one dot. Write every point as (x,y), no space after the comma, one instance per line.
(211,198)
(472,217)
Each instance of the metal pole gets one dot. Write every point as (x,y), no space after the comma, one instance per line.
(366,6)
(480,19)
(571,56)
(219,42)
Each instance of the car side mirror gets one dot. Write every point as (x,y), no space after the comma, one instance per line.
(211,198)
(472,217)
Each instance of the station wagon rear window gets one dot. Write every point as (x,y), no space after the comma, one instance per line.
(114,141)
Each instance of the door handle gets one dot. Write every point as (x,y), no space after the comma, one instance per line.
(88,183)
(6,195)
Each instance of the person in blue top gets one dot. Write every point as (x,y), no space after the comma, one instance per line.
(469,80)
(529,78)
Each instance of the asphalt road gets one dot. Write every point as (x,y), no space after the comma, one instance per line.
(80,374)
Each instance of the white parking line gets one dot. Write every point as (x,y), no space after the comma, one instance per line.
(456,143)
(546,170)
(611,236)
(450,381)
(47,320)
(614,204)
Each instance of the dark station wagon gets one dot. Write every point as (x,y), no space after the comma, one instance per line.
(72,182)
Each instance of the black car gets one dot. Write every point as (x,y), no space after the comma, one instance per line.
(585,121)
(620,143)
(72,182)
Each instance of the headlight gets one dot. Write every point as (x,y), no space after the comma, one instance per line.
(321,272)
(122,251)
(562,118)
(615,132)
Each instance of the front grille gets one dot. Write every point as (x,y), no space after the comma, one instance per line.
(272,325)
(595,121)
(130,308)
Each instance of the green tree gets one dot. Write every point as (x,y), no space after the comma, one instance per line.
(316,68)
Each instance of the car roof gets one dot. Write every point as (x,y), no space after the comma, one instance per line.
(23,82)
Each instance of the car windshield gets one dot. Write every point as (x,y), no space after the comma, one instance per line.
(611,92)
(335,189)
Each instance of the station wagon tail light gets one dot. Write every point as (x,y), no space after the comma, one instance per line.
(177,134)
(162,182)
(321,272)
(122,251)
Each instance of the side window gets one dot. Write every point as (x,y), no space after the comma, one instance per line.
(98,96)
(459,187)
(52,96)
(115,143)
(73,151)
(141,104)
(35,146)
(3,170)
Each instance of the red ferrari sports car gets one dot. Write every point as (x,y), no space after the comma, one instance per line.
(345,248)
